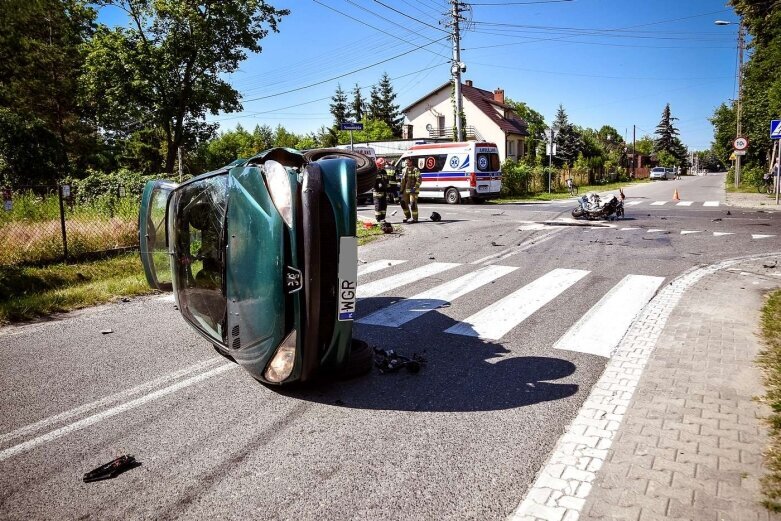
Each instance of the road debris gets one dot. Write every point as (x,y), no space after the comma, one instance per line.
(389,361)
(386,227)
(716,220)
(112,469)
(106,331)
(435,217)
(770,264)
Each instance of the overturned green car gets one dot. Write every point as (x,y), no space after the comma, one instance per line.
(262,260)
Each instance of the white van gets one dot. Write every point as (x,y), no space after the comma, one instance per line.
(455,171)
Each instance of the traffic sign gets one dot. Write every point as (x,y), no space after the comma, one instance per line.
(350,125)
(775,129)
(740,143)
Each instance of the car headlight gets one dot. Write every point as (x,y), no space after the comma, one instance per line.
(278,183)
(284,359)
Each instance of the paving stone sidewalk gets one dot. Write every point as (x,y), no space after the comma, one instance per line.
(690,444)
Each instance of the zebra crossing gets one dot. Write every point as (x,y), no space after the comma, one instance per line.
(635,202)
(597,332)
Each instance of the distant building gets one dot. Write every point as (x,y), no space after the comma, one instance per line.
(487,118)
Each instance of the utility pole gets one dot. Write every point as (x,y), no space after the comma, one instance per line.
(739,105)
(457,67)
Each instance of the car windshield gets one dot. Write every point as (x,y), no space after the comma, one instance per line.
(196,218)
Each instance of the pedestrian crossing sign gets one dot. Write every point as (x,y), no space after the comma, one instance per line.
(775,129)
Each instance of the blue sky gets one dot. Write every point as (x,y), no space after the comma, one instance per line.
(614,62)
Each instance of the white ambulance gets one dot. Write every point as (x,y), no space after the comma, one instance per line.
(455,171)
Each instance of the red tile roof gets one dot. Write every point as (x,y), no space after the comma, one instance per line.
(484,100)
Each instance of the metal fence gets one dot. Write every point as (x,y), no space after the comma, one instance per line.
(54,223)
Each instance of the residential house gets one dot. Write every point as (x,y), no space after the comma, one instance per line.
(488,118)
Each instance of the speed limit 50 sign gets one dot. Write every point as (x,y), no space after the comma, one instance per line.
(740,143)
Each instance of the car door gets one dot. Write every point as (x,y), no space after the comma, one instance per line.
(153,234)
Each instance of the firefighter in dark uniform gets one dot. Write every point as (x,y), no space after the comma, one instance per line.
(381,185)
(410,185)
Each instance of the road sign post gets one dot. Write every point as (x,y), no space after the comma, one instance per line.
(350,125)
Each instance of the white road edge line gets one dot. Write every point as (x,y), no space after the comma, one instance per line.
(590,435)
(123,395)
(95,418)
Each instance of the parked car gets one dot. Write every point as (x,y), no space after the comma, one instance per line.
(262,260)
(660,172)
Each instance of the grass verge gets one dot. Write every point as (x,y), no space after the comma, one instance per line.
(770,360)
(544,196)
(30,292)
(367,235)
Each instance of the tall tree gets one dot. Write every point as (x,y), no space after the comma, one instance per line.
(167,68)
(665,132)
(569,142)
(339,108)
(536,125)
(358,105)
(382,106)
(40,61)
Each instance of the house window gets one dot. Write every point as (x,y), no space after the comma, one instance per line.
(510,148)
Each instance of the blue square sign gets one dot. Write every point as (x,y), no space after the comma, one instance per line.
(775,129)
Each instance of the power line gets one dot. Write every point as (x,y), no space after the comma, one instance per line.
(411,17)
(519,3)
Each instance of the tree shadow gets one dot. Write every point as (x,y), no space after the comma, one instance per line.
(462,373)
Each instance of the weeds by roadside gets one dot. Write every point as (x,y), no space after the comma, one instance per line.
(30,292)
(367,235)
(770,360)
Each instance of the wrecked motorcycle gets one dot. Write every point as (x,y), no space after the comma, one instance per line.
(591,206)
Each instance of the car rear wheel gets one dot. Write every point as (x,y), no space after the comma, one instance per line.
(452,196)
(365,168)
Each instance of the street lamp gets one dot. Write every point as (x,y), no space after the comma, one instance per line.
(738,102)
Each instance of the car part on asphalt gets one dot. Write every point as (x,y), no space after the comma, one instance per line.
(112,469)
(389,361)
(435,217)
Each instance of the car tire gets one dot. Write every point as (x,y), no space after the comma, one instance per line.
(365,169)
(361,360)
(452,196)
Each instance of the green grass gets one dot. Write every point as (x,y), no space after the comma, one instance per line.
(30,292)
(545,196)
(770,360)
(367,235)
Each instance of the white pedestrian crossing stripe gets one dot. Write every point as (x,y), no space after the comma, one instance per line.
(598,332)
(710,203)
(371,267)
(720,234)
(496,320)
(603,326)
(659,203)
(396,281)
(685,203)
(760,236)
(632,203)
(689,232)
(403,311)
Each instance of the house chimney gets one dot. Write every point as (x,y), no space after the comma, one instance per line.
(469,83)
(499,95)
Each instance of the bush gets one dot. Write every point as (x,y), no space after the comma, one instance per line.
(515,177)
(98,186)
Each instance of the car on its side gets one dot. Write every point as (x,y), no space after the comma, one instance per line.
(262,260)
(660,172)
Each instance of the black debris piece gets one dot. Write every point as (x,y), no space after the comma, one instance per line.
(770,264)
(112,469)
(388,361)
(435,217)
(729,213)
(106,331)
(386,227)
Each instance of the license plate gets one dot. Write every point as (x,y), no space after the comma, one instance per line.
(348,276)
(482,188)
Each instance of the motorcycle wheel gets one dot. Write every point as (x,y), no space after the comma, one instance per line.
(578,213)
(365,168)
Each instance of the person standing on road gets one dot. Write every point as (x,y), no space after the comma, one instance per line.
(380,191)
(410,184)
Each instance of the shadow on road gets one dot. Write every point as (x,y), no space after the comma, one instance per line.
(462,373)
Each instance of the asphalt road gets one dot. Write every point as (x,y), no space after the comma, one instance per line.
(462,439)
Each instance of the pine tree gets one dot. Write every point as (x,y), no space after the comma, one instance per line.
(569,142)
(358,105)
(667,133)
(381,105)
(339,106)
